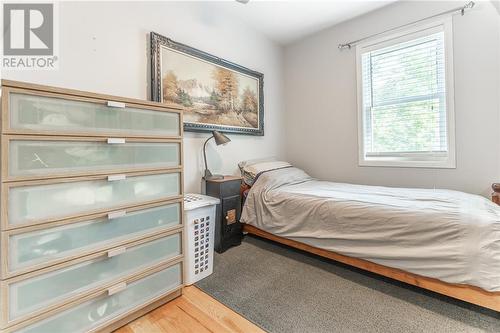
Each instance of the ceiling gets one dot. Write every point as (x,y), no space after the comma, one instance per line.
(287,21)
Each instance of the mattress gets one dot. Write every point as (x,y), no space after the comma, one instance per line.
(448,235)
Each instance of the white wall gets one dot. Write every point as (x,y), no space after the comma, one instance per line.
(320,88)
(104,48)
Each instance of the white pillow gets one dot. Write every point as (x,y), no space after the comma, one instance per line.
(246,163)
(250,172)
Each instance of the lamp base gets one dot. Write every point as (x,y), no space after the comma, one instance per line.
(209,176)
(214,177)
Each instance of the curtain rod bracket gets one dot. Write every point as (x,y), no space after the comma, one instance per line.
(468,5)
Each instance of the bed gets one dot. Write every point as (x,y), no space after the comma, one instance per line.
(441,240)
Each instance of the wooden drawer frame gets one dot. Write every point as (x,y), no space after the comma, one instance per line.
(4,285)
(101,292)
(7,132)
(6,186)
(4,257)
(9,87)
(5,146)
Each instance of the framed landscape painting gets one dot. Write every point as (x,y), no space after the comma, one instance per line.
(216,94)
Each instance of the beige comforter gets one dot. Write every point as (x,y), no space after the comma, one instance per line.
(443,234)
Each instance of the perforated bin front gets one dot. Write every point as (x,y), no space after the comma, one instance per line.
(199,219)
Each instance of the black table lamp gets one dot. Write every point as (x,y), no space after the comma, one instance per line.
(220,139)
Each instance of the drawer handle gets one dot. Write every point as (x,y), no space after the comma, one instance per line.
(117,251)
(114,141)
(117,214)
(117,288)
(114,104)
(113,178)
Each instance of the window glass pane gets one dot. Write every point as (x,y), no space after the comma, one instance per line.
(407,127)
(404,97)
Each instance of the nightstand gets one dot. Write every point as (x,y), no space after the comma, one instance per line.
(228,229)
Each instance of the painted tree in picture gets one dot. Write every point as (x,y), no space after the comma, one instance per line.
(226,86)
(170,87)
(209,93)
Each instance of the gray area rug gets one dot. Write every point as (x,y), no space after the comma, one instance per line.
(285,290)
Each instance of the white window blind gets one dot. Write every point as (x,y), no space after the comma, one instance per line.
(404,100)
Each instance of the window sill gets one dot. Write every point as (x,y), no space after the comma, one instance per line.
(405,163)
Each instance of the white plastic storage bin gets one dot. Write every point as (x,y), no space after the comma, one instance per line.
(200,229)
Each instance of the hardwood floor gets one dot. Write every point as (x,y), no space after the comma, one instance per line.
(194,311)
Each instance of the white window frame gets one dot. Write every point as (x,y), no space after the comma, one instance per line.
(411,160)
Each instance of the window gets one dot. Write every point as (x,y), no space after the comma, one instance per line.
(405,99)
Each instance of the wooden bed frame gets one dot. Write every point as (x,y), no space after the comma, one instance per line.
(467,293)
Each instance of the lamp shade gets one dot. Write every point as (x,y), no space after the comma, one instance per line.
(220,138)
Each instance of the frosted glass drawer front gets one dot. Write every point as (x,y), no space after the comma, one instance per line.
(89,315)
(28,204)
(47,157)
(28,112)
(50,288)
(43,246)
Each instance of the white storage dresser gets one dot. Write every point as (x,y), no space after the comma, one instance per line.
(200,229)
(91,209)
